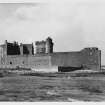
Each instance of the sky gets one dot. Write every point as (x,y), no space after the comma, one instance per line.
(72,24)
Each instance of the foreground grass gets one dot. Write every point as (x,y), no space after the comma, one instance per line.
(37,88)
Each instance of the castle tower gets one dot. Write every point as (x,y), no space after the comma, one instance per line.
(5,48)
(49,45)
(21,49)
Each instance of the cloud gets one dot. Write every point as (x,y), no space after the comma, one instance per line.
(72,25)
(38,12)
(27,12)
(39,21)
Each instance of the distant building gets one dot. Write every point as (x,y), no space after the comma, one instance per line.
(23,55)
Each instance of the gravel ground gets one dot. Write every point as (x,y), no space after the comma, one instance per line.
(49,89)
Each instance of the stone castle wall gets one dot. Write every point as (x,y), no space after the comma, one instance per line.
(88,58)
(28,61)
(72,59)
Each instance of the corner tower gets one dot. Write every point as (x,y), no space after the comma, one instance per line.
(49,45)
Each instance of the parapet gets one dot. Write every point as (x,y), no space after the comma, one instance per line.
(91,48)
(40,42)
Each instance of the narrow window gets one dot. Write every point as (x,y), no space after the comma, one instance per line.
(91,53)
(10,62)
(23,62)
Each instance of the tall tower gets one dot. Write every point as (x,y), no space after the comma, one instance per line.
(6,48)
(21,49)
(49,45)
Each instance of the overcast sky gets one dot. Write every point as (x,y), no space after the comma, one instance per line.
(73,24)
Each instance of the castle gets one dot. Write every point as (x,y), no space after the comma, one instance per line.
(23,55)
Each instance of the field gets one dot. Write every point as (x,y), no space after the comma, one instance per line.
(48,88)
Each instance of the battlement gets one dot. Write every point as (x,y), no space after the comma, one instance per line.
(40,42)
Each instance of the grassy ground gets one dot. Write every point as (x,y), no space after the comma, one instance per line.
(37,88)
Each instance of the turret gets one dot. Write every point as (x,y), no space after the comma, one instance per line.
(49,45)
(6,48)
(21,49)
